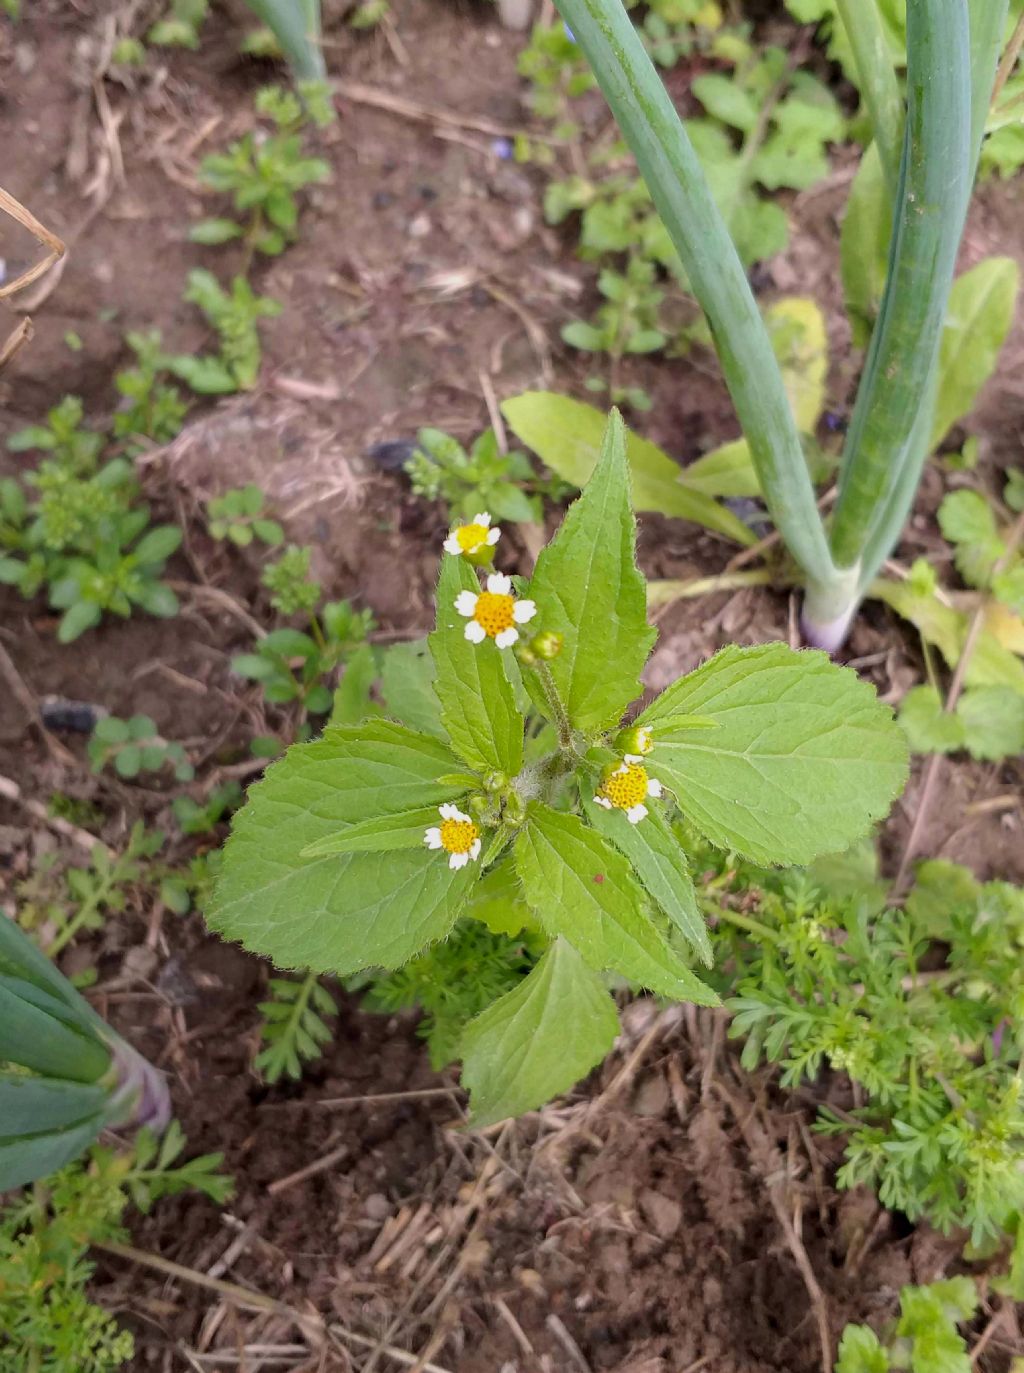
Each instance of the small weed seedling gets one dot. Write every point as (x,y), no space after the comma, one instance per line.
(485,478)
(262,173)
(179,27)
(234,316)
(292,665)
(294,1026)
(925,1339)
(135,746)
(196,818)
(239,516)
(47,1318)
(60,905)
(522,791)
(920,1006)
(152,409)
(82,533)
(988,719)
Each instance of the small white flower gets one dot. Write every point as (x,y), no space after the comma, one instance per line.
(471,538)
(495,612)
(458,835)
(626,787)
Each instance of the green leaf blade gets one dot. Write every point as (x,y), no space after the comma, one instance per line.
(339,913)
(538,1040)
(478,706)
(589,590)
(584,890)
(805,758)
(660,865)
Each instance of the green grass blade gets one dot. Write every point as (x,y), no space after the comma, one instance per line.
(877,79)
(673,174)
(296,26)
(988,25)
(934,187)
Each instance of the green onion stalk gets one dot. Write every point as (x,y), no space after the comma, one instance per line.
(929,155)
(65,1075)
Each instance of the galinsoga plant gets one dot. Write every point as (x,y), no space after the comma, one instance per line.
(64,1074)
(928,160)
(528,797)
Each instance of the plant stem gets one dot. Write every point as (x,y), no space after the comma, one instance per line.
(877,79)
(743,922)
(559,714)
(883,450)
(673,174)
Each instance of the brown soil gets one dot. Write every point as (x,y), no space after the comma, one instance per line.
(657,1222)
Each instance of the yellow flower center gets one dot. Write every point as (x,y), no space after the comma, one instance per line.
(625,789)
(458,836)
(493,613)
(471,536)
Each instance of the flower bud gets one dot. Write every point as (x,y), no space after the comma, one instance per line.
(547,644)
(638,740)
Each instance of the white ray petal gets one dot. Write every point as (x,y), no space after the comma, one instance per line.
(458,860)
(603,801)
(483,518)
(475,632)
(506,638)
(653,786)
(474,850)
(636,813)
(498,584)
(432,838)
(493,536)
(523,611)
(452,545)
(465,602)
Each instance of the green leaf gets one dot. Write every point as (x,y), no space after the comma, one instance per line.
(725,99)
(567,436)
(991,664)
(214,231)
(805,757)
(128,761)
(339,914)
(930,728)
(407,686)
(581,888)
(537,1041)
(864,245)
(379,835)
(981,306)
(860,1352)
(992,719)
(38,1032)
(352,698)
(725,471)
(24,1160)
(588,589)
(1008,587)
(29,1105)
(478,706)
(77,619)
(660,864)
